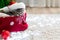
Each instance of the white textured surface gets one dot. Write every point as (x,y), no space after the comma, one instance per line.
(41,27)
(44,26)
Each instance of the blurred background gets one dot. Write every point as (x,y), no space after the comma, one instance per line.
(41,3)
(42,6)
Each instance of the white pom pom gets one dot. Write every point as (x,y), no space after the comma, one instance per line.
(11,23)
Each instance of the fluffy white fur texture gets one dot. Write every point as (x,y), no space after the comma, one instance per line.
(14,6)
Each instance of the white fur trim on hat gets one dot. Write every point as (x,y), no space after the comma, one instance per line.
(17,5)
(13,7)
